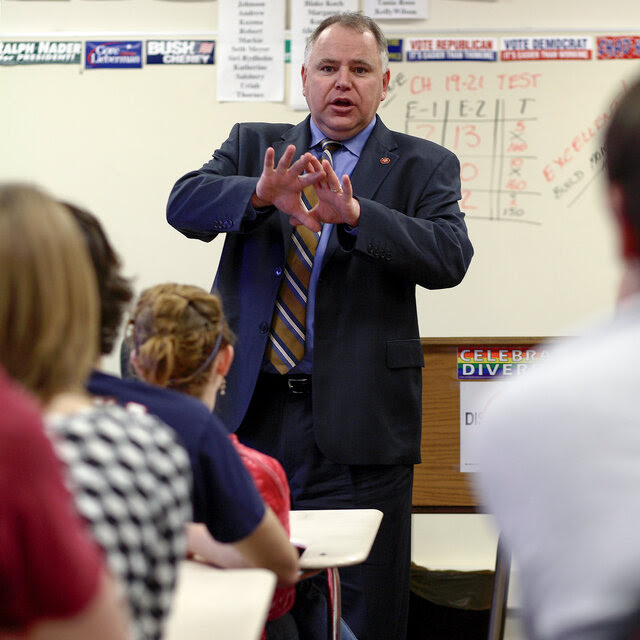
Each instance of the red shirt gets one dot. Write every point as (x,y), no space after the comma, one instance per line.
(49,567)
(271,481)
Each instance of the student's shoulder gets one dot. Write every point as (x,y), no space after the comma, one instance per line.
(21,419)
(170,406)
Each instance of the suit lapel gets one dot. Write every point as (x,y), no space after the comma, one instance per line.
(299,135)
(375,162)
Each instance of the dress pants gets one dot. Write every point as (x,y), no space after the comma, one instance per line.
(375,594)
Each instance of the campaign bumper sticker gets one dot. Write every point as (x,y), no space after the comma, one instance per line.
(113,55)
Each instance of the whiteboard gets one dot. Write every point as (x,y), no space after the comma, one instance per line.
(528,136)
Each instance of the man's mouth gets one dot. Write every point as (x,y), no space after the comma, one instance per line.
(342,103)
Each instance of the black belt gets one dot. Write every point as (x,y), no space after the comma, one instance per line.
(299,384)
(294,383)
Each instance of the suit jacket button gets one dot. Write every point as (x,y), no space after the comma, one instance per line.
(278,271)
(264,327)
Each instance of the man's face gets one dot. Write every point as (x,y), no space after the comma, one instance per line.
(343,81)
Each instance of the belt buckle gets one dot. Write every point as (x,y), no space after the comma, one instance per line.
(299,385)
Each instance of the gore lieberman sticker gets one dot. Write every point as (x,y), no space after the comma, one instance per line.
(113,55)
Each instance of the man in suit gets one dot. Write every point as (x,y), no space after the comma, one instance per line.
(345,419)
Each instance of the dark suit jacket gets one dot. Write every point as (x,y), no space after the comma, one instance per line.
(367,377)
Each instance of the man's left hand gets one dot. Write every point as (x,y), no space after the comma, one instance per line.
(336,203)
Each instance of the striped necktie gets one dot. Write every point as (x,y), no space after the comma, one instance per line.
(287,337)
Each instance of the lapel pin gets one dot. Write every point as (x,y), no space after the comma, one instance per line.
(385,160)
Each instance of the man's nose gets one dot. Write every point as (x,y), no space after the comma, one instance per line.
(343,78)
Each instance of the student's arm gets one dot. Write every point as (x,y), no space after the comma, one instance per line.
(104,618)
(267,547)
(204,547)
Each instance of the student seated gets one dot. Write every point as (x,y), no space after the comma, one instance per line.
(559,448)
(128,473)
(224,497)
(42,538)
(181,341)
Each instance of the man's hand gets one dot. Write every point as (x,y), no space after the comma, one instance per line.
(282,185)
(336,203)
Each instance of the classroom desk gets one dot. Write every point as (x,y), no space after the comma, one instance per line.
(334,538)
(219,603)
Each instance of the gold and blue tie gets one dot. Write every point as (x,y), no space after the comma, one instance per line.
(287,337)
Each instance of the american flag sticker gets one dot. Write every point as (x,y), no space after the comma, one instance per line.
(180,51)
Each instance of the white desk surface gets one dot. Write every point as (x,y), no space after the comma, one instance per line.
(334,537)
(220,603)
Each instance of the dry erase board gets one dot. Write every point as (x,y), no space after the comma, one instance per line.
(528,136)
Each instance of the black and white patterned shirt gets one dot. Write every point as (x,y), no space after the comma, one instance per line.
(131,480)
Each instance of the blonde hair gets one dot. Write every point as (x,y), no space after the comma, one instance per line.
(177,330)
(49,308)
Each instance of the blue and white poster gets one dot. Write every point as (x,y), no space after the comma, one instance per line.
(180,51)
(113,55)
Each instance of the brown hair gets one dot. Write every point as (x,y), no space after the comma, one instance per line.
(176,332)
(622,154)
(115,290)
(49,311)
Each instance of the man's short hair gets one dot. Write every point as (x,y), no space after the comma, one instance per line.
(357,21)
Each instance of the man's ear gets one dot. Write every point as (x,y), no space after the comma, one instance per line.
(385,84)
(628,234)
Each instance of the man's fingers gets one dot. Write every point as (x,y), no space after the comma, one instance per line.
(313,163)
(311,178)
(347,186)
(269,156)
(308,163)
(285,161)
(309,222)
(304,217)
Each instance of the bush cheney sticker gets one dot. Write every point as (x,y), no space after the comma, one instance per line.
(180,51)
(41,52)
(116,55)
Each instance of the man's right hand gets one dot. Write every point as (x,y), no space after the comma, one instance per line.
(282,185)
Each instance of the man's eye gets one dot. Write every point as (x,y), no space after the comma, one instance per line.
(360,70)
(326,69)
